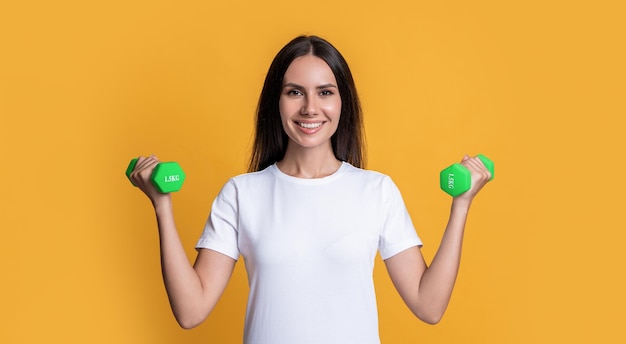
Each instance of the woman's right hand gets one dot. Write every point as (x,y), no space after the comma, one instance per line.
(141,178)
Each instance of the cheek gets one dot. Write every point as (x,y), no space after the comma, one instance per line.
(334,108)
(287,108)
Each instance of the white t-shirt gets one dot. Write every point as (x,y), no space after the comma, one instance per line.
(309,247)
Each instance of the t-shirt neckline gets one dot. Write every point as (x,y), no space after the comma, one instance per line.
(310,181)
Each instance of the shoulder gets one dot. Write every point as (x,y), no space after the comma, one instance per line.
(367,175)
(374,182)
(253,176)
(247,180)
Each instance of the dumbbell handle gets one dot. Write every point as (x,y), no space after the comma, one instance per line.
(167,176)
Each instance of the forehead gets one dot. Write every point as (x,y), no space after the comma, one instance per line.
(309,69)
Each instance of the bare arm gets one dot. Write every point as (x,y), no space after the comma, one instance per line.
(193,291)
(427,290)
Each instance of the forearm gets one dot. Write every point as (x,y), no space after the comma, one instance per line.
(438,281)
(182,283)
(427,290)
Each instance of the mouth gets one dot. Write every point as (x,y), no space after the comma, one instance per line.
(310,125)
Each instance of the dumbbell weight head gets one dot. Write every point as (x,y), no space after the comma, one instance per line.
(456,179)
(167,176)
(130,169)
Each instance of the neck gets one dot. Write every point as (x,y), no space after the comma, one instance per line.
(309,163)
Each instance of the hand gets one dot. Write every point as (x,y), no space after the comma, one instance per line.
(141,178)
(479,176)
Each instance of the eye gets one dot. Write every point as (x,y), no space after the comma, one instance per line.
(294,92)
(326,93)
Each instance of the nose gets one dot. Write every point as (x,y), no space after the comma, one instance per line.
(309,107)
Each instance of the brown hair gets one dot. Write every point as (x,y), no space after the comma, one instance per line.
(270,141)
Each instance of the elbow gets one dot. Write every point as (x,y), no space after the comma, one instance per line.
(188,322)
(191,315)
(188,325)
(432,319)
(429,312)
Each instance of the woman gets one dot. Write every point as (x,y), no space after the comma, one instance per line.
(307,219)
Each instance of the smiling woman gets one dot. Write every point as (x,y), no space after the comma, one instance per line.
(270,143)
(308,220)
(310,110)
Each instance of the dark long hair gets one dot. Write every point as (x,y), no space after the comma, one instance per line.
(270,141)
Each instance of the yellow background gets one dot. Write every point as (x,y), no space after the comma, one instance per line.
(538,86)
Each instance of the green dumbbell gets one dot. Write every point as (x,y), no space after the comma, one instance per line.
(456,179)
(167,176)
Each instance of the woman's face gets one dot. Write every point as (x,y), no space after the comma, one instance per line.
(310,104)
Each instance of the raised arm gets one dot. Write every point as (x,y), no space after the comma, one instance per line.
(193,291)
(427,290)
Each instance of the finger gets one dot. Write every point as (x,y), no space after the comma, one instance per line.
(468,162)
(143,170)
(144,161)
(477,168)
(146,171)
(140,162)
(474,162)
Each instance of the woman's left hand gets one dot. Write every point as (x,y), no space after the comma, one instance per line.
(479,176)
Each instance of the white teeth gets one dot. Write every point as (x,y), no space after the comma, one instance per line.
(310,125)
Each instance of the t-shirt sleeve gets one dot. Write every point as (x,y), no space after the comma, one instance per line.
(398,232)
(220,231)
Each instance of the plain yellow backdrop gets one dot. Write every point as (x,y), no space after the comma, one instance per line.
(538,86)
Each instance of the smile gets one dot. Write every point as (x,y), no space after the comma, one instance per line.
(310,125)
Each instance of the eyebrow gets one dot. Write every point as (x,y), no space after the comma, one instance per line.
(291,84)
